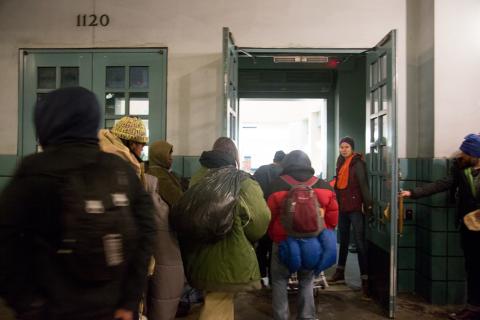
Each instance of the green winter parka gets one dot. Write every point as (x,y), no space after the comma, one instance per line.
(230,264)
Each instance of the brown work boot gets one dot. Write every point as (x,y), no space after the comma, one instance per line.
(338,276)
(365,290)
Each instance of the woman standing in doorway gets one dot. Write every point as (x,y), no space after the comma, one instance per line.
(354,199)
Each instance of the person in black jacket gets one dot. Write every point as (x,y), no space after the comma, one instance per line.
(34,279)
(464,182)
(265,175)
(354,200)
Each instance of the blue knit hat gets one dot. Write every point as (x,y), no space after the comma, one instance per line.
(471,145)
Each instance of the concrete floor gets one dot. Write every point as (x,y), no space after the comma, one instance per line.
(340,302)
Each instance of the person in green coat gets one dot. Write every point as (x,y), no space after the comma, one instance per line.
(160,163)
(229,265)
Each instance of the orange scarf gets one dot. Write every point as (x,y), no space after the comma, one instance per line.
(343,173)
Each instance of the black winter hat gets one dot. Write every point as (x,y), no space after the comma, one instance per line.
(67,115)
(349,141)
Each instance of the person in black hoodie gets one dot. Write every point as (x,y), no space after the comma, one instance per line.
(264,175)
(354,199)
(35,280)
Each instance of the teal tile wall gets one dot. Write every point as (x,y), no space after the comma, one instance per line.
(438,265)
(406,280)
(7,167)
(3,182)
(406,258)
(456,292)
(185,166)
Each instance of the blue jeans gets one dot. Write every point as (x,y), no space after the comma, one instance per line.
(279,283)
(357,220)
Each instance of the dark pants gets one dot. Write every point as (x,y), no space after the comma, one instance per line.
(264,255)
(357,221)
(470,245)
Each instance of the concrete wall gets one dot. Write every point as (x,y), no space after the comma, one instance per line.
(420,78)
(457,76)
(192,31)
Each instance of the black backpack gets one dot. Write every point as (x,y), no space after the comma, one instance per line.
(98,230)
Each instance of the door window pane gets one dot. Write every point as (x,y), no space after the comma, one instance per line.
(109,123)
(374,73)
(374,129)
(144,155)
(46,77)
(384,127)
(114,103)
(376,100)
(69,77)
(383,62)
(384,105)
(139,103)
(233,127)
(115,77)
(138,77)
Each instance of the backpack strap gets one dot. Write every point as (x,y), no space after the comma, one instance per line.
(293,182)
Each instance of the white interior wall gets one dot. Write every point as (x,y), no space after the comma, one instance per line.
(420,78)
(192,32)
(457,73)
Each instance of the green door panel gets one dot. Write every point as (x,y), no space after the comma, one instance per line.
(381,146)
(44,72)
(126,82)
(132,84)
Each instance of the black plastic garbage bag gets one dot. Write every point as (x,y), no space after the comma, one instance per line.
(205,213)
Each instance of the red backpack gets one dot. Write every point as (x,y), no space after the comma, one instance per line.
(302,216)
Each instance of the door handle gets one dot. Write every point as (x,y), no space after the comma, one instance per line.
(401,216)
(386,213)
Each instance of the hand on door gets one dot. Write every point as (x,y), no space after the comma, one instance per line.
(405,194)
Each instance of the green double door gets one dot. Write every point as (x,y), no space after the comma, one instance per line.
(126,82)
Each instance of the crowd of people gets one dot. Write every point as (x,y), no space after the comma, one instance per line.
(88,230)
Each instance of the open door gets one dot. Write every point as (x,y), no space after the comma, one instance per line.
(230,87)
(381,149)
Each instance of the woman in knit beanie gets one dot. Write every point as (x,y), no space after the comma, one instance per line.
(354,199)
(126,139)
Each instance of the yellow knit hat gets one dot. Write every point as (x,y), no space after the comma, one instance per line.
(131,129)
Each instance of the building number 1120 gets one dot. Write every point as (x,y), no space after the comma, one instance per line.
(92,20)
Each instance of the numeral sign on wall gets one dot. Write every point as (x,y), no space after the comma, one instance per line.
(92,20)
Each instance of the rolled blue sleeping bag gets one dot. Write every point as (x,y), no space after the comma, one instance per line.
(311,251)
(289,254)
(328,242)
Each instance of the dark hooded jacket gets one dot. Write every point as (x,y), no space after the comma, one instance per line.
(31,218)
(297,165)
(356,197)
(169,187)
